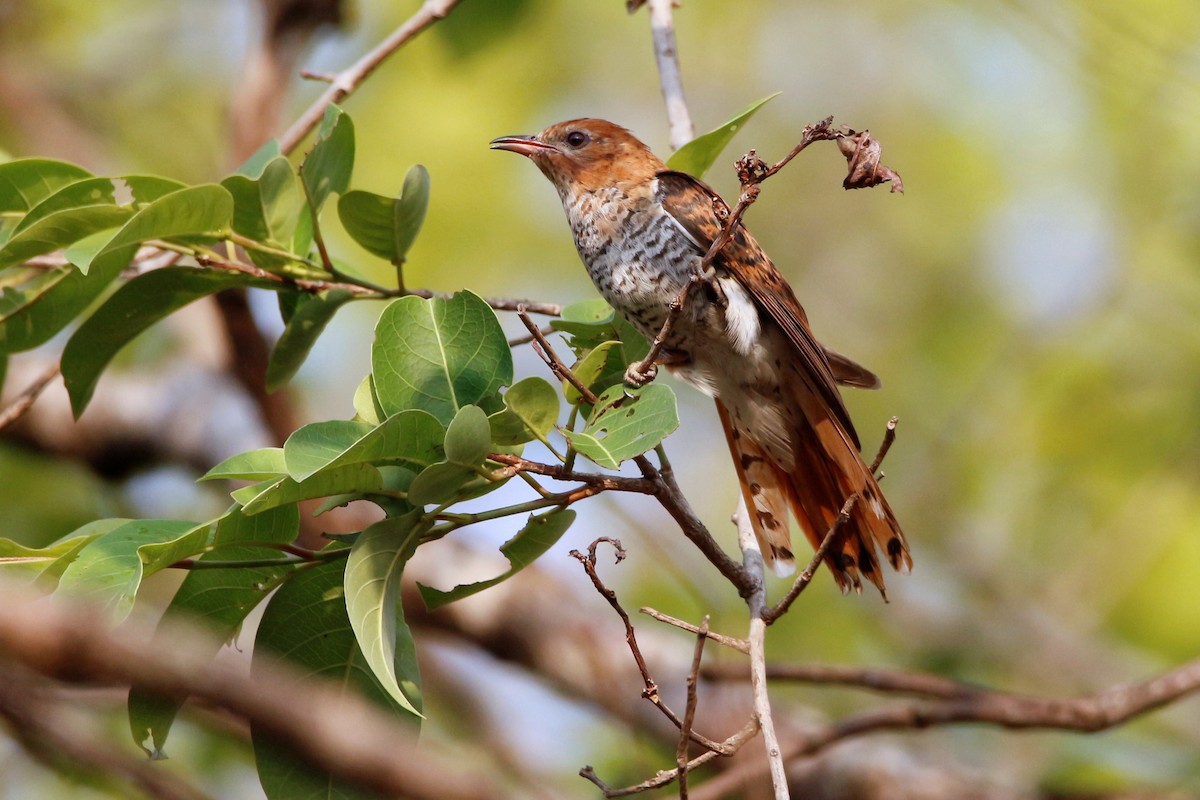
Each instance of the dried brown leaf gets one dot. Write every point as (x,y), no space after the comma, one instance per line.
(862,152)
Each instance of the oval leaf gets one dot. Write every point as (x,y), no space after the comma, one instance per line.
(468,438)
(372,586)
(195,210)
(219,599)
(108,572)
(531,409)
(439,355)
(256,465)
(26,182)
(626,423)
(306,324)
(411,438)
(700,153)
(327,167)
(306,623)
(134,307)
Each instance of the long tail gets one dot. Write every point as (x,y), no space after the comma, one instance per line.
(828,470)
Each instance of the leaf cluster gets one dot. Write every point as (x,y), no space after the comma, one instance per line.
(102,259)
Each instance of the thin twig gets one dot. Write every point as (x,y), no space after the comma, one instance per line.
(741,645)
(756,602)
(689,711)
(542,346)
(873,679)
(889,436)
(667,776)
(517,464)
(25,400)
(802,581)
(345,82)
(662,30)
(1087,713)
(650,690)
(517,341)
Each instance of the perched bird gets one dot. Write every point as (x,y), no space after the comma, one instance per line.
(742,338)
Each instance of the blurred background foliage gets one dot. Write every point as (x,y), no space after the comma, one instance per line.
(1031,303)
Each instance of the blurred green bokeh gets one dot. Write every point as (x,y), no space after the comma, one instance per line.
(1032,303)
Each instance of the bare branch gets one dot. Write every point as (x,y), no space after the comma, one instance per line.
(49,731)
(756,603)
(667,776)
(884,681)
(345,82)
(650,692)
(689,712)
(802,581)
(662,30)
(741,645)
(1088,713)
(355,739)
(25,400)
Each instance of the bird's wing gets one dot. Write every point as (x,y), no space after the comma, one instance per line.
(692,204)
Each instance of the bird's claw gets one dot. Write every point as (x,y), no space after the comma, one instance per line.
(636,377)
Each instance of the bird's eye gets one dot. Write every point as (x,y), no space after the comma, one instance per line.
(577,138)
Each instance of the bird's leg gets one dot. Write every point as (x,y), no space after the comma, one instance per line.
(640,373)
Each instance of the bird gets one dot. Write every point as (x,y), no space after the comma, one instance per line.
(742,337)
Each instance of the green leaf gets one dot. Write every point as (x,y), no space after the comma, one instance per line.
(307,323)
(589,368)
(700,153)
(306,623)
(385,226)
(60,229)
(45,565)
(26,182)
(539,535)
(468,438)
(442,482)
(219,599)
(372,585)
(531,409)
(634,346)
(439,355)
(195,210)
(255,465)
(81,209)
(37,304)
(108,571)
(626,423)
(126,192)
(366,407)
(327,167)
(134,307)
(351,478)
(267,207)
(254,166)
(412,438)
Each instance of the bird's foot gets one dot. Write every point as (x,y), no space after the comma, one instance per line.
(637,375)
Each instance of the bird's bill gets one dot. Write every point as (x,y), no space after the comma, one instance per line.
(525,145)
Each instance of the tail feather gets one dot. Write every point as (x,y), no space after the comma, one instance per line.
(828,469)
(765,491)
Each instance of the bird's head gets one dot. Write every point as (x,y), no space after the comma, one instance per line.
(585,154)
